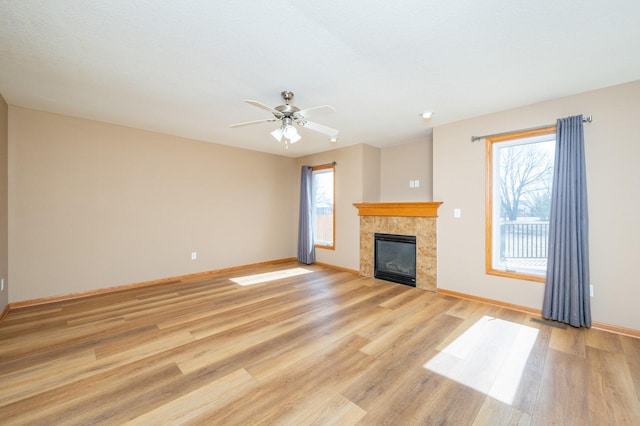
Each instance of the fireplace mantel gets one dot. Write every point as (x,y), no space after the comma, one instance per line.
(416,209)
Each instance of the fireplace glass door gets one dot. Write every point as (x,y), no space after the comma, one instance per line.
(395,258)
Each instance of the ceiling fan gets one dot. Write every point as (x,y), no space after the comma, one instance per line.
(289,115)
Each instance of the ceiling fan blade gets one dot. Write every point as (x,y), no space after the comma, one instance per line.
(263,106)
(247,123)
(320,128)
(322,109)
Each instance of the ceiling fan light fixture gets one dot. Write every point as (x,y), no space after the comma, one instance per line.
(291,134)
(277,133)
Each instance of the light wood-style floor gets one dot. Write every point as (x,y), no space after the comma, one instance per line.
(326,347)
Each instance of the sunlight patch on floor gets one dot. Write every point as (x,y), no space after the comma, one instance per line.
(489,357)
(270,276)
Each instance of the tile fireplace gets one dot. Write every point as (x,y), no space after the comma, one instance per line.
(413,219)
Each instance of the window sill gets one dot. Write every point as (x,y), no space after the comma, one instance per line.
(517,275)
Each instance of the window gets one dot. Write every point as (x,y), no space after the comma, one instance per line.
(519,179)
(323,188)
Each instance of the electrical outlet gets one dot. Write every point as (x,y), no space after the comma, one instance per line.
(591,290)
(194,255)
(416,183)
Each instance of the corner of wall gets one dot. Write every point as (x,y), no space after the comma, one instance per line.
(4,204)
(371,173)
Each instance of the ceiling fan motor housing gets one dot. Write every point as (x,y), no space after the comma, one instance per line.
(287,110)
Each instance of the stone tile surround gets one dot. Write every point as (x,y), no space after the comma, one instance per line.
(417,219)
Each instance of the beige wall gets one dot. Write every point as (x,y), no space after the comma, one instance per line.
(612,148)
(4,202)
(402,163)
(94,205)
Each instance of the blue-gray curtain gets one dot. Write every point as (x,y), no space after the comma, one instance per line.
(566,296)
(306,247)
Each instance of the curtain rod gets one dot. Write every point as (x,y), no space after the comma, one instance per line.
(587,119)
(333,163)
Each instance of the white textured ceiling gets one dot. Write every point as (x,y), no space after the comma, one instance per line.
(184,67)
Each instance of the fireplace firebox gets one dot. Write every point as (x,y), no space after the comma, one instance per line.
(395,258)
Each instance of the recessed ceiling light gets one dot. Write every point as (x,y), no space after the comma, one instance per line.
(426,115)
(334,139)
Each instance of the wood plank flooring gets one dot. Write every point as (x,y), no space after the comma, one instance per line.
(326,347)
